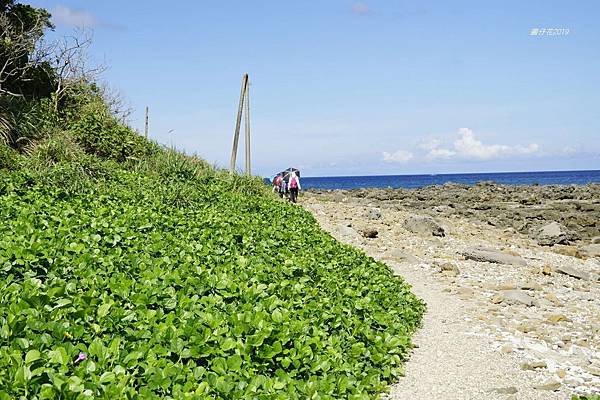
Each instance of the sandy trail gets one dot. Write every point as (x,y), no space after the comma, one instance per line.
(459,352)
(451,362)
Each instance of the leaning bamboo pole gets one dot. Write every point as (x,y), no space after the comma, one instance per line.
(238,122)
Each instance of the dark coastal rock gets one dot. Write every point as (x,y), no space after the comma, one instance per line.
(551,234)
(423,225)
(524,208)
(449,269)
(486,254)
(370,233)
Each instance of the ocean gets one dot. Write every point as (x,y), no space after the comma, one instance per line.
(417,181)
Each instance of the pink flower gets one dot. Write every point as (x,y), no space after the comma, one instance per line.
(82,356)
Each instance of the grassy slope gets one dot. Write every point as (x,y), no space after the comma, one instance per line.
(178,281)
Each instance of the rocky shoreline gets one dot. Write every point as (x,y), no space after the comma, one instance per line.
(522,261)
(563,215)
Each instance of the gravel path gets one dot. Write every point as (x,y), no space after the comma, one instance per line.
(452,364)
(458,353)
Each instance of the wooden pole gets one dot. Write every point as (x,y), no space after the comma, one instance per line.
(146,124)
(238,122)
(248,128)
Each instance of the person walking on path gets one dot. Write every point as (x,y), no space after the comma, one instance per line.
(294,186)
(277,183)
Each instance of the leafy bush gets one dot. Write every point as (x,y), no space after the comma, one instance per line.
(55,149)
(111,292)
(100,134)
(586,397)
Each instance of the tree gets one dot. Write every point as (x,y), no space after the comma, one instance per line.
(70,66)
(24,67)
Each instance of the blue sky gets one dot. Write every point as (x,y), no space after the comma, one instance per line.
(359,88)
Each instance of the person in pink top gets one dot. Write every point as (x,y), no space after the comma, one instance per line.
(294,186)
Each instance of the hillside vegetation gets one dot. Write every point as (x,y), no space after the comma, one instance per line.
(132,271)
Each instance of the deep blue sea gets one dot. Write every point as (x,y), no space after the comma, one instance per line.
(416,181)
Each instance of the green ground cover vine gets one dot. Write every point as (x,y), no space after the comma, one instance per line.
(167,279)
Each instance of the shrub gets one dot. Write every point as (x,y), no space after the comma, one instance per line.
(55,149)
(101,134)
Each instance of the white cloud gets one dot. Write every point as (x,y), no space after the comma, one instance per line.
(64,15)
(468,146)
(360,9)
(399,156)
(440,153)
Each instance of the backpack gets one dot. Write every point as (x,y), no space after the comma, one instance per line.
(294,183)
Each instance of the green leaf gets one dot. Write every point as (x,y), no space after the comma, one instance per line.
(107,377)
(58,356)
(234,362)
(103,310)
(31,356)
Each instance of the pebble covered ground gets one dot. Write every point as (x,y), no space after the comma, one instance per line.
(507,318)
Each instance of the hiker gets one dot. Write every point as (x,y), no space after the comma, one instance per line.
(282,188)
(277,183)
(294,185)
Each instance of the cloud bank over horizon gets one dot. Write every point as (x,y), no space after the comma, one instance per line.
(465,147)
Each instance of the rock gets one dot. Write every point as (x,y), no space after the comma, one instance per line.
(591,250)
(374,213)
(507,286)
(575,273)
(369,233)
(486,254)
(555,318)
(423,225)
(546,270)
(561,373)
(549,385)
(530,285)
(551,234)
(497,299)
(596,240)
(570,251)
(593,370)
(465,293)
(506,390)
(449,269)
(526,327)
(400,256)
(518,297)
(506,349)
(346,231)
(533,365)
(552,297)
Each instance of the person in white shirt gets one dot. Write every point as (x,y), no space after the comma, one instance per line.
(294,187)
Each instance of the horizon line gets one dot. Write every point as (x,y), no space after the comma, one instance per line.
(451,173)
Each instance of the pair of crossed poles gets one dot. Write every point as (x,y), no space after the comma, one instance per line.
(244,100)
